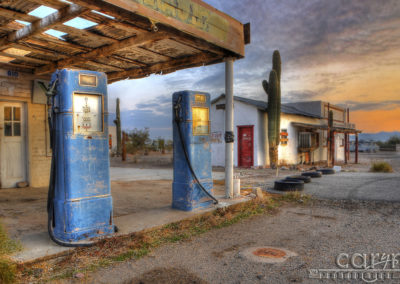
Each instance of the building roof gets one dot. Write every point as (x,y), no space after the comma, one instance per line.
(124,38)
(262,105)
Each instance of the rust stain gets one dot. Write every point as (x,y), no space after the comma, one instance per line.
(269,253)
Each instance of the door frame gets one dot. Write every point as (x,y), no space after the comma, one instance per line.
(24,129)
(239,127)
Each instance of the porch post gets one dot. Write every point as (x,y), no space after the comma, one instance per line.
(345,147)
(356,156)
(229,138)
(333,148)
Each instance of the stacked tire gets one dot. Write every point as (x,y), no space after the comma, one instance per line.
(296,182)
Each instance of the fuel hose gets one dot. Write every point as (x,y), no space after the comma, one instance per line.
(177,108)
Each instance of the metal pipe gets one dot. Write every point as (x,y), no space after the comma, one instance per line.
(356,156)
(328,135)
(228,127)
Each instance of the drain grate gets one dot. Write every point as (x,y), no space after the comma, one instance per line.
(269,252)
(266,254)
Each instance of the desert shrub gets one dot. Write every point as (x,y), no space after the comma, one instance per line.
(138,140)
(381,167)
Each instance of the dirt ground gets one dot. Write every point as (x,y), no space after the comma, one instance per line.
(317,233)
(23,210)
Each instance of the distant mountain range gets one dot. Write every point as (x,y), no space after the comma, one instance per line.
(380,136)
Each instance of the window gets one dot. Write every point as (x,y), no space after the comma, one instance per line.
(12,121)
(304,140)
(308,140)
(201,121)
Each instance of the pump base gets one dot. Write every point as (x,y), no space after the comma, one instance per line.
(188,197)
(75,237)
(86,218)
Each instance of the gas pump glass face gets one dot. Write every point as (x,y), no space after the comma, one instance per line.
(88,116)
(200,116)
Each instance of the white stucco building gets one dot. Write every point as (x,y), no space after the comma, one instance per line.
(304,135)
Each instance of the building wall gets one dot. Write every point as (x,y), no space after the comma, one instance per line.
(244,114)
(17,87)
(38,145)
(288,154)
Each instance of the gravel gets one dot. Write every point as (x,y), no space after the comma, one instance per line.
(316,232)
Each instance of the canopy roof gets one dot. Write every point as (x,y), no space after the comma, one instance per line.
(125,38)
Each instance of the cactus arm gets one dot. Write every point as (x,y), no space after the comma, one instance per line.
(265,85)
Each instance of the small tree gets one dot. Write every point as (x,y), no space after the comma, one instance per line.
(393,140)
(161,145)
(138,140)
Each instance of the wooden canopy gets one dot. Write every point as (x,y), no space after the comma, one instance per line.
(128,38)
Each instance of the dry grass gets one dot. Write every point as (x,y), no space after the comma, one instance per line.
(8,269)
(137,245)
(381,167)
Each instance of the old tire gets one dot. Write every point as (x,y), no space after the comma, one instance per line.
(312,174)
(289,185)
(306,179)
(327,171)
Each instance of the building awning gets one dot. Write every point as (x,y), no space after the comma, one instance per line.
(309,126)
(123,38)
(337,129)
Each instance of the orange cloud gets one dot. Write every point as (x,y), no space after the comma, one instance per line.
(376,120)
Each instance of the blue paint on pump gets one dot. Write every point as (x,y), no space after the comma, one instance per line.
(82,196)
(186,192)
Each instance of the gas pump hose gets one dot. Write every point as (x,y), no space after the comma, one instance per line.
(177,107)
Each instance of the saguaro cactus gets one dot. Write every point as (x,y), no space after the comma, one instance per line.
(117,123)
(273,90)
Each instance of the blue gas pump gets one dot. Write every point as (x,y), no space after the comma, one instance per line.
(192,185)
(79,200)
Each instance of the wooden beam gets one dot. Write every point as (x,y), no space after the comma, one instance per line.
(24,58)
(128,60)
(67,13)
(193,17)
(60,27)
(84,34)
(50,3)
(116,12)
(10,14)
(39,50)
(101,51)
(174,64)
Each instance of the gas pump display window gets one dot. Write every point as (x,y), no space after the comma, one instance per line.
(88,116)
(200,116)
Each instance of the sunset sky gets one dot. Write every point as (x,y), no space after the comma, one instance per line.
(343,52)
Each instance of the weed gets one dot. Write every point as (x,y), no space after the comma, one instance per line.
(381,167)
(8,269)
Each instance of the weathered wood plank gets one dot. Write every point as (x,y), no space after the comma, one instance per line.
(67,13)
(51,3)
(198,59)
(193,17)
(102,51)
(24,58)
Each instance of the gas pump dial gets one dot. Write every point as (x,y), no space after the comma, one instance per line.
(88,116)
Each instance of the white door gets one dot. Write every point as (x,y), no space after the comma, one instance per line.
(12,144)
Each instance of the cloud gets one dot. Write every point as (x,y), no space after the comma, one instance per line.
(371,106)
(155,115)
(331,51)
